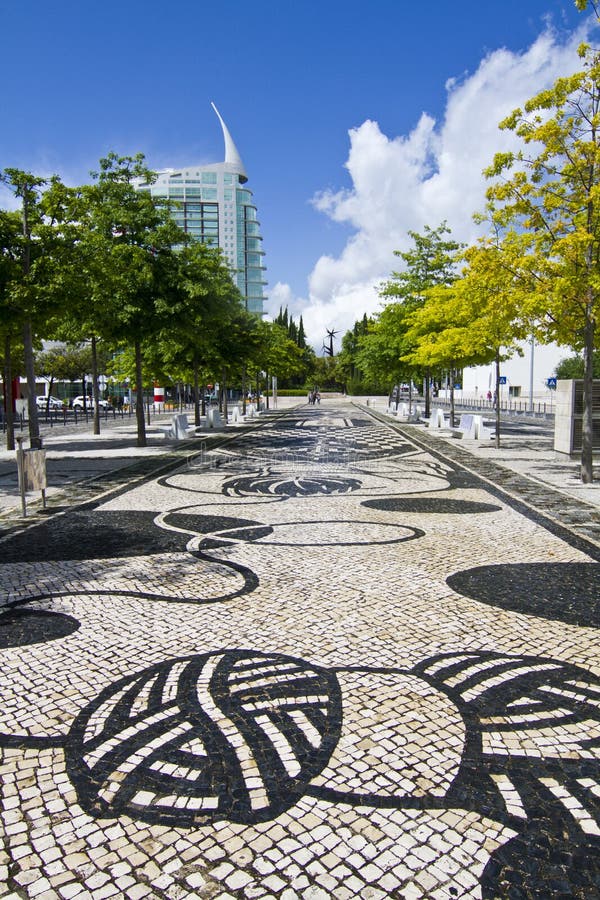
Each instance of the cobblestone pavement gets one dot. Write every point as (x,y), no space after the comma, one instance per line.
(331,658)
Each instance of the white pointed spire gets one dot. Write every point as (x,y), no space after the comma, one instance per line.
(232,157)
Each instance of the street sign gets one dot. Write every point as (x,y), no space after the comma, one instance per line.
(502,379)
(551,382)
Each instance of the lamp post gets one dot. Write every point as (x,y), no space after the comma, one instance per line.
(531,374)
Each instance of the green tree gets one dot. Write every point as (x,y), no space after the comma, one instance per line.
(128,243)
(430,262)
(476,320)
(29,291)
(274,352)
(10,314)
(573,366)
(381,348)
(196,312)
(64,362)
(547,194)
(295,332)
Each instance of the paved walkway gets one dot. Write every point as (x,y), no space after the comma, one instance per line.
(326,656)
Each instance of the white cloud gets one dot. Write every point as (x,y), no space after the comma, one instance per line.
(431,175)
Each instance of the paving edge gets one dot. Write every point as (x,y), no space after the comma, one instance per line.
(522,490)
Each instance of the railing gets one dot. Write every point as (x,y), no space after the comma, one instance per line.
(512,406)
(69,416)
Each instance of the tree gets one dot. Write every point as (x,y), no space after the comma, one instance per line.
(430,262)
(10,328)
(572,367)
(26,291)
(476,320)
(347,362)
(43,288)
(128,241)
(64,363)
(547,195)
(200,317)
(382,346)
(583,5)
(296,334)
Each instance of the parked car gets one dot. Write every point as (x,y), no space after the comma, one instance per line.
(43,402)
(89,403)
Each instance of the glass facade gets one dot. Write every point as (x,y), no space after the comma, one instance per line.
(210,204)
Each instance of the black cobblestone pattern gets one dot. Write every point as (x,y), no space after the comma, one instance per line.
(568,592)
(558,512)
(22,627)
(431,505)
(357,720)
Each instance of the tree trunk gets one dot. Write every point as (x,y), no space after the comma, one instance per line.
(196,391)
(9,411)
(95,391)
(224,394)
(587,435)
(139,404)
(427,393)
(497,398)
(35,441)
(244,391)
(452,416)
(267,379)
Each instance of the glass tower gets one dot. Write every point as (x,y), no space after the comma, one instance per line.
(214,206)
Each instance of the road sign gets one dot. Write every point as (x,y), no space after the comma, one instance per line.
(502,379)
(551,382)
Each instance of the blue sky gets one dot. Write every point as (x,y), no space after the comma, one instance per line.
(356,103)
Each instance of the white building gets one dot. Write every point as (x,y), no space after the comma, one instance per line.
(214,206)
(525,376)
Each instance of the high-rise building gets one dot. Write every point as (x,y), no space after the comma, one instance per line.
(214,206)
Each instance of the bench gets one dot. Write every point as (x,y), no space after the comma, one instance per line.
(213,419)
(435,420)
(466,427)
(472,427)
(179,428)
(482,432)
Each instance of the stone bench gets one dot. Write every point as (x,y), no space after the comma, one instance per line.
(472,427)
(482,432)
(466,427)
(179,429)
(435,420)
(213,418)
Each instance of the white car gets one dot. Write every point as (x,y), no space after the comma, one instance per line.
(89,403)
(43,402)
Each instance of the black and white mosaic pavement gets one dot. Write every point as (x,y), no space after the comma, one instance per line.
(328,662)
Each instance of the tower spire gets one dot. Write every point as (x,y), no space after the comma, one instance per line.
(232,157)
